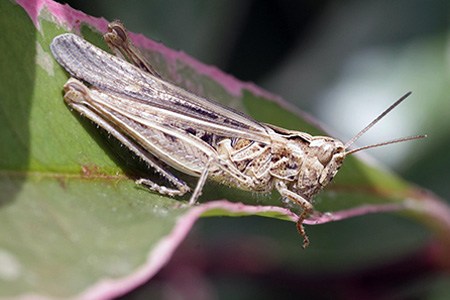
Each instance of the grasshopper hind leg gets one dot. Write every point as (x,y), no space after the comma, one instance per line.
(76,92)
(179,186)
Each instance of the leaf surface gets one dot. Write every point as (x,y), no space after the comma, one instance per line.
(74,223)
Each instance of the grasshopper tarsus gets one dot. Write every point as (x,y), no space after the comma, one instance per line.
(161,189)
(302,232)
(301,228)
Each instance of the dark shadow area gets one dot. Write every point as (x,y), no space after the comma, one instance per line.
(17,76)
(256,261)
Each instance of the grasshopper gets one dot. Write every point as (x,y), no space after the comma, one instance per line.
(166,125)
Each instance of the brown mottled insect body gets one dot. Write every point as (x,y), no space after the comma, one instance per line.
(160,121)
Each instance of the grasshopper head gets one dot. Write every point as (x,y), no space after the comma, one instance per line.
(320,157)
(330,153)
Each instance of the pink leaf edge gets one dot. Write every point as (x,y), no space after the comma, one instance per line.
(71,19)
(161,254)
(107,288)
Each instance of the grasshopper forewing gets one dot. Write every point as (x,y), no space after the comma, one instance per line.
(161,122)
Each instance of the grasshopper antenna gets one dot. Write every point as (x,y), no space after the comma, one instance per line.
(400,140)
(375,121)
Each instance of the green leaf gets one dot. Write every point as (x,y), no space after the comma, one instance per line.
(73,222)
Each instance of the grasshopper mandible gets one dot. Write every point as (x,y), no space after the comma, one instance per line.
(161,122)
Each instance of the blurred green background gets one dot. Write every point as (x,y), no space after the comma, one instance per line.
(343,62)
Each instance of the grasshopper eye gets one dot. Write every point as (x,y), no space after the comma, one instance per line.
(325,156)
(325,151)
